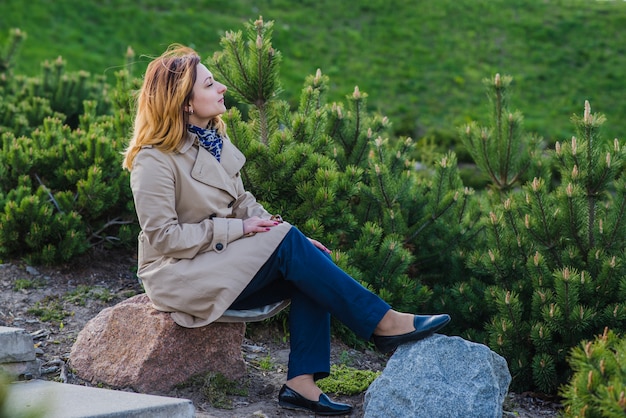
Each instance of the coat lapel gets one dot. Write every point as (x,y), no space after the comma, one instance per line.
(211,172)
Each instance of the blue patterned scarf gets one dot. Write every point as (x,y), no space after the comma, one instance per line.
(209,138)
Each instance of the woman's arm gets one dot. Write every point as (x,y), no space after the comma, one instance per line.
(153,182)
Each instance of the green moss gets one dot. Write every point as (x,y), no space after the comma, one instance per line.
(21,284)
(217,389)
(82,293)
(49,309)
(345,380)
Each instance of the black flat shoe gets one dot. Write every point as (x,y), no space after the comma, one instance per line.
(425,325)
(290,399)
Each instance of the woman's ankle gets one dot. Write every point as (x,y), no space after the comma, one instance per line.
(394,323)
(305,386)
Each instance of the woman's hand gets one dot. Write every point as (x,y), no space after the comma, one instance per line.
(255,224)
(319,245)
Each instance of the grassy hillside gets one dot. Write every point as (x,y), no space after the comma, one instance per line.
(421,62)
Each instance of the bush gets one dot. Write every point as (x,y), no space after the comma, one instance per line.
(598,386)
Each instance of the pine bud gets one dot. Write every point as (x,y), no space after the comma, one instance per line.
(612,263)
(318,76)
(507,298)
(456,196)
(259,22)
(566,274)
(492,256)
(574,145)
(378,141)
(601,226)
(590,380)
(602,367)
(444,162)
(557,148)
(369,133)
(569,190)
(259,42)
(608,159)
(536,258)
(377,169)
(527,221)
(497,81)
(507,204)
(493,218)
(587,115)
(616,145)
(536,184)
(357,93)
(588,349)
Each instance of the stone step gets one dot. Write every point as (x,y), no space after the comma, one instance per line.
(15,345)
(60,400)
(17,353)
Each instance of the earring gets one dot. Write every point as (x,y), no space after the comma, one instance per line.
(190,111)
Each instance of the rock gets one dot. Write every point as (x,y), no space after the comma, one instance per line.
(132,345)
(18,354)
(440,376)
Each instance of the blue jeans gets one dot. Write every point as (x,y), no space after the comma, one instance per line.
(317,288)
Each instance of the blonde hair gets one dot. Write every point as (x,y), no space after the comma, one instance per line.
(161,119)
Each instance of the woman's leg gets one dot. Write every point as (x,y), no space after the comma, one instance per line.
(312,272)
(317,287)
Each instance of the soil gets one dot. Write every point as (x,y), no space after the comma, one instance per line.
(76,292)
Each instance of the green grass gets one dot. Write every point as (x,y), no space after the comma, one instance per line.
(420,62)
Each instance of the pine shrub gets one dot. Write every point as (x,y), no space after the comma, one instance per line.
(63,189)
(553,263)
(598,385)
(334,171)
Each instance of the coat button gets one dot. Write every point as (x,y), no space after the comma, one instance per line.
(219,246)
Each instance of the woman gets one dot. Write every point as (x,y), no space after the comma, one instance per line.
(207,247)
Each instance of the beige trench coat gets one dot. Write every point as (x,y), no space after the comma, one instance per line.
(194,259)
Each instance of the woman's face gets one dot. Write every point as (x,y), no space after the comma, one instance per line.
(208,98)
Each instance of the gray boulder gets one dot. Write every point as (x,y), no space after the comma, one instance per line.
(440,376)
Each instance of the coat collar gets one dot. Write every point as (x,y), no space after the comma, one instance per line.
(208,170)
